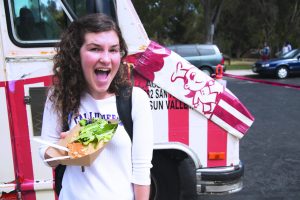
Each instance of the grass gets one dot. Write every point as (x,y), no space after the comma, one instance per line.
(236,64)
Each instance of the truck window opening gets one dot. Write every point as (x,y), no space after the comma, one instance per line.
(42,21)
(37,20)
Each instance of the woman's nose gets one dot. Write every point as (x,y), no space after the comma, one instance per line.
(104,57)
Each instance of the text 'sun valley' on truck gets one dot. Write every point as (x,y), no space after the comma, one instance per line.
(197,122)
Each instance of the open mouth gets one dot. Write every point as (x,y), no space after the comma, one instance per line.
(102,74)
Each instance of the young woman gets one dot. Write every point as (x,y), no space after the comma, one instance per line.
(88,74)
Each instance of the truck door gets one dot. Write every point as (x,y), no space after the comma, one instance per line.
(6,154)
(29,30)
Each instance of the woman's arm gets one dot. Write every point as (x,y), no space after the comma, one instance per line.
(52,151)
(141,192)
(51,129)
(142,144)
(48,155)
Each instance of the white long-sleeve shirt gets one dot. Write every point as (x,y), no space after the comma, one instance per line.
(121,163)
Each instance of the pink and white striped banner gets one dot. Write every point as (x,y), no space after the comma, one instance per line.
(190,85)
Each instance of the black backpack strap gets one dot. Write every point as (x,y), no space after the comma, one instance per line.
(124,105)
(59,173)
(60,169)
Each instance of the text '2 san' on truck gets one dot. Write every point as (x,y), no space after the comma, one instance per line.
(192,154)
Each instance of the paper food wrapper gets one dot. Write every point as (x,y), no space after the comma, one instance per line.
(190,85)
(86,160)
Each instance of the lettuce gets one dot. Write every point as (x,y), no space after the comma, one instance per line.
(95,130)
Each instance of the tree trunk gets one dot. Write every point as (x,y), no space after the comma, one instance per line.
(212,11)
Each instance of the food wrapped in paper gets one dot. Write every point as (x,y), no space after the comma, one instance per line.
(190,85)
(86,140)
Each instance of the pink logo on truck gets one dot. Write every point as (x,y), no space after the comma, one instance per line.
(152,60)
(200,87)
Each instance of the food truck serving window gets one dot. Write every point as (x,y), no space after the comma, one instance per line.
(41,22)
(36,21)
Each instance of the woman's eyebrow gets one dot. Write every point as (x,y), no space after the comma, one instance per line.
(93,44)
(100,45)
(116,45)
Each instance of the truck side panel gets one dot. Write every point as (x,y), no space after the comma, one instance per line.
(26,70)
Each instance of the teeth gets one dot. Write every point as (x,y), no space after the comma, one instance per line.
(103,70)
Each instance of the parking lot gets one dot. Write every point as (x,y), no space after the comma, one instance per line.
(270,150)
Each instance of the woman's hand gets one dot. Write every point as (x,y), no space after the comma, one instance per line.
(50,151)
(63,134)
(53,151)
(141,192)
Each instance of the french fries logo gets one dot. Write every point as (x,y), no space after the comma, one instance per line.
(201,88)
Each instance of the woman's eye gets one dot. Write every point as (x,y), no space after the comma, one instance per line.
(115,50)
(94,49)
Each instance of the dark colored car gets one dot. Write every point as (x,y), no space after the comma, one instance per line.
(281,67)
(204,56)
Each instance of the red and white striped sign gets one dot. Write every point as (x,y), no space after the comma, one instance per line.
(190,85)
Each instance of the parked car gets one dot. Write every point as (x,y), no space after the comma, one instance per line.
(204,56)
(281,67)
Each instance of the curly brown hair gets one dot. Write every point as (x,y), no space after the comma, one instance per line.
(68,79)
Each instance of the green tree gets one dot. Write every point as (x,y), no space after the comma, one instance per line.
(239,26)
(246,25)
(212,10)
(239,29)
(171,21)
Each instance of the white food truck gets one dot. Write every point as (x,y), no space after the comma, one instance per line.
(191,153)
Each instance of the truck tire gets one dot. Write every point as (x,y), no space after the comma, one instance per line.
(164,178)
(173,178)
(188,180)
